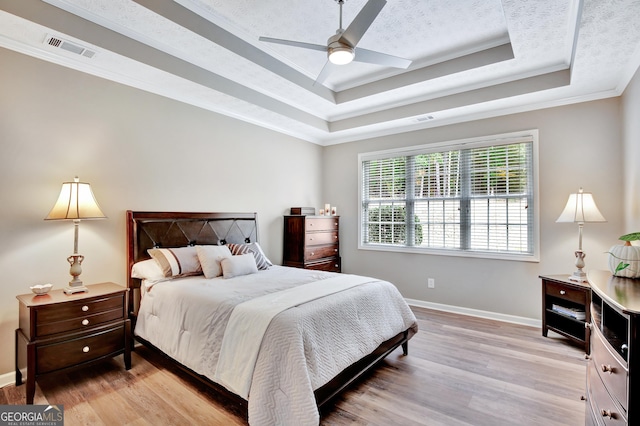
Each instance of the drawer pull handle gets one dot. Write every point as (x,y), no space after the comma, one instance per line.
(85,308)
(312,253)
(336,250)
(85,322)
(563,292)
(85,349)
(607,369)
(335,236)
(606,413)
(337,265)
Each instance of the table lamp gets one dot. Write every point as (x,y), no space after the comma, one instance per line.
(580,208)
(76,202)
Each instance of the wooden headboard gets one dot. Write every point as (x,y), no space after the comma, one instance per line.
(147,230)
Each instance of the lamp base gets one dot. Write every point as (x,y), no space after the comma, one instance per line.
(579,276)
(75,289)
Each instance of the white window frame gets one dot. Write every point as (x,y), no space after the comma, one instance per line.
(484,141)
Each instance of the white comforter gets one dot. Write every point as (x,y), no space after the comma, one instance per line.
(303,348)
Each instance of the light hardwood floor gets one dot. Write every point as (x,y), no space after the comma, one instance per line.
(460,371)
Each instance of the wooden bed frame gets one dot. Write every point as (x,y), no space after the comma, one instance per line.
(147,230)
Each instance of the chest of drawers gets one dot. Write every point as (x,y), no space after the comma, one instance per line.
(613,385)
(312,242)
(58,331)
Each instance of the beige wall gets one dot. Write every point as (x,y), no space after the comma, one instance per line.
(579,145)
(631,138)
(139,151)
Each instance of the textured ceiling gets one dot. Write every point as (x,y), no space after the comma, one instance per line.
(471,58)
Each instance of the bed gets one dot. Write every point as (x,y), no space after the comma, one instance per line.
(281,341)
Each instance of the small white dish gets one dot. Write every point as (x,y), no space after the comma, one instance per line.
(40,289)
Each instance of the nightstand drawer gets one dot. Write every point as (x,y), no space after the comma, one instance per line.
(78,323)
(77,351)
(321,238)
(77,309)
(316,252)
(321,224)
(567,293)
(612,373)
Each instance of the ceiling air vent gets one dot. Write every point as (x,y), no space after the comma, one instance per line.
(424,118)
(69,46)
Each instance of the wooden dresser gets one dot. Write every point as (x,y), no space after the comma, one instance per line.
(613,383)
(312,242)
(58,331)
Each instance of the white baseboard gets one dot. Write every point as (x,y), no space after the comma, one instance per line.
(8,379)
(532,322)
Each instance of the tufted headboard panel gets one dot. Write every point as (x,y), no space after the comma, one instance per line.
(147,230)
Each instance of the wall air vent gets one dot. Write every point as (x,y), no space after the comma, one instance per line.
(69,46)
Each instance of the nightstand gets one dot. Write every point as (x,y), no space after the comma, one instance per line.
(59,331)
(566,308)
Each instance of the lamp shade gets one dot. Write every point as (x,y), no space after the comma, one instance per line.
(76,201)
(581,208)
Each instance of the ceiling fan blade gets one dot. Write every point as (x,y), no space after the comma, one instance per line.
(326,70)
(294,43)
(362,22)
(378,58)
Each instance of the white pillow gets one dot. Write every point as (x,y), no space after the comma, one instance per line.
(179,261)
(235,266)
(210,257)
(147,270)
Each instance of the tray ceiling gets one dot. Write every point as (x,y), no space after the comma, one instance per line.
(470,58)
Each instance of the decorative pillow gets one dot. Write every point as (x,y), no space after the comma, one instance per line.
(147,270)
(210,257)
(254,248)
(178,261)
(234,266)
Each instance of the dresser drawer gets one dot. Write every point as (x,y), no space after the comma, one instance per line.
(605,410)
(612,373)
(80,350)
(76,309)
(321,224)
(78,323)
(321,238)
(319,252)
(330,265)
(567,293)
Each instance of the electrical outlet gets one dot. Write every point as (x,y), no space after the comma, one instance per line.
(431,283)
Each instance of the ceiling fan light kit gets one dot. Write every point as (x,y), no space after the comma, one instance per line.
(341,47)
(338,52)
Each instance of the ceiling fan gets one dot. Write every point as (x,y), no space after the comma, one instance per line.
(342,47)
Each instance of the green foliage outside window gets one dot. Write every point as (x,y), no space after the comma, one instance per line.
(387,225)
